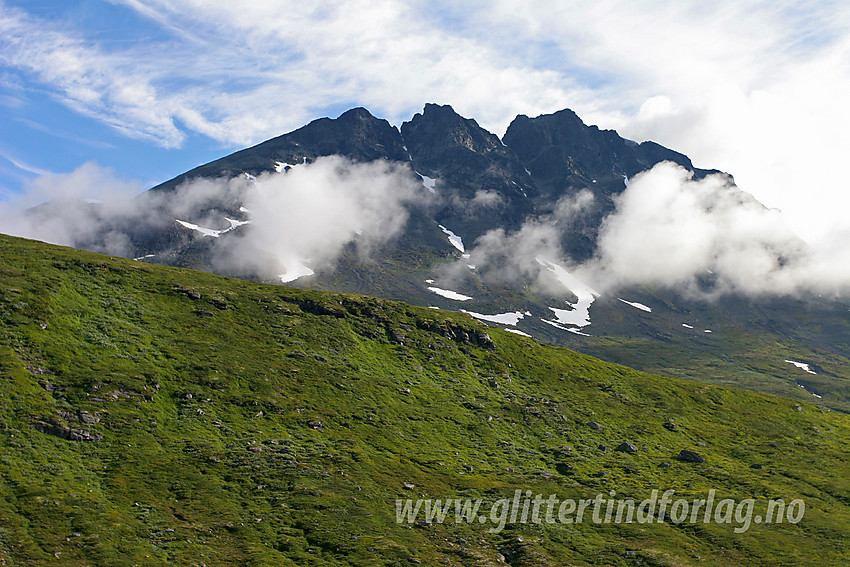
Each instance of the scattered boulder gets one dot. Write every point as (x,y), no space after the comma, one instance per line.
(202,313)
(690,456)
(67,433)
(397,336)
(330,307)
(88,418)
(595,425)
(564,468)
(670,425)
(190,293)
(460,334)
(627,447)
(756,466)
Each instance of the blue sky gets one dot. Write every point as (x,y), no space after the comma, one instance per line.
(151,88)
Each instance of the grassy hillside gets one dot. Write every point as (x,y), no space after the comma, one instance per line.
(160,416)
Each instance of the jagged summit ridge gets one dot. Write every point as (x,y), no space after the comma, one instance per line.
(552,146)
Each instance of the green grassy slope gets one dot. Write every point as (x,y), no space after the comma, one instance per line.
(159,416)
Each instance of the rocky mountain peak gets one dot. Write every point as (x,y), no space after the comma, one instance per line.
(445,145)
(565,155)
(442,126)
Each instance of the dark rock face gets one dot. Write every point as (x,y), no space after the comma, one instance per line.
(566,157)
(356,134)
(563,153)
(469,161)
(444,144)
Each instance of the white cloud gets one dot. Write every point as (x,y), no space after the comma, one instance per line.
(706,237)
(306,216)
(72,209)
(309,214)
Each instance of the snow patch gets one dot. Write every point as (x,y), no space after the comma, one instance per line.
(501,318)
(454,239)
(449,294)
(707,331)
(429,183)
(202,230)
(637,305)
(234,224)
(579,315)
(801,366)
(685,325)
(575,330)
(518,332)
(140,258)
(299,270)
(429,281)
(803,386)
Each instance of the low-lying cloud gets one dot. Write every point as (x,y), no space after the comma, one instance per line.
(707,236)
(704,237)
(71,208)
(308,215)
(298,219)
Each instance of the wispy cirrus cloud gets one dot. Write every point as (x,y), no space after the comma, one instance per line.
(239,73)
(111,87)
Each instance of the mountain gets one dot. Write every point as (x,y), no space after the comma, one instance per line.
(157,415)
(527,206)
